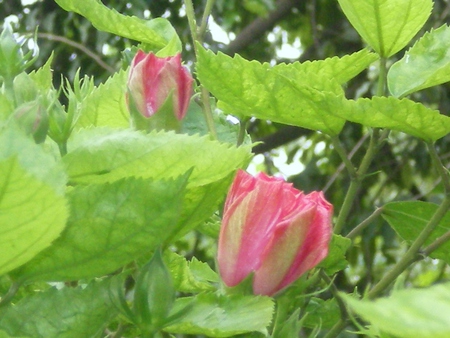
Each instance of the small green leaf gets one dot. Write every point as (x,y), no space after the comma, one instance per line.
(335,260)
(43,77)
(153,32)
(402,115)
(109,226)
(408,219)
(387,25)
(425,65)
(106,104)
(290,96)
(193,276)
(66,313)
(322,313)
(223,316)
(408,313)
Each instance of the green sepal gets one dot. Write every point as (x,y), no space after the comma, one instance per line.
(163,119)
(154,295)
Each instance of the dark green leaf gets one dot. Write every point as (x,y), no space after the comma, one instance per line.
(66,313)
(110,225)
(408,219)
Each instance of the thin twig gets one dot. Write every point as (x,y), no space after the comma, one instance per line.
(79,46)
(361,226)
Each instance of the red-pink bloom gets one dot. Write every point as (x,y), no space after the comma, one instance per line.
(273,230)
(152,79)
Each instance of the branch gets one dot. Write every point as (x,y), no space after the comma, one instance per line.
(254,31)
(79,46)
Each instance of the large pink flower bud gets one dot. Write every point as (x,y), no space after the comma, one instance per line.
(273,230)
(159,88)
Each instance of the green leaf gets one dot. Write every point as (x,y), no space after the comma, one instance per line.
(335,260)
(105,155)
(402,115)
(32,215)
(106,104)
(223,316)
(408,313)
(32,157)
(193,276)
(340,69)
(157,32)
(425,65)
(290,96)
(322,313)
(66,313)
(33,210)
(387,25)
(43,77)
(408,219)
(109,226)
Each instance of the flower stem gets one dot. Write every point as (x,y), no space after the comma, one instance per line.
(242,130)
(437,243)
(6,299)
(196,37)
(381,86)
(344,157)
(206,13)
(442,171)
(361,226)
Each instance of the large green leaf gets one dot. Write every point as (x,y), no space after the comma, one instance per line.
(157,32)
(340,69)
(403,115)
(32,215)
(66,313)
(33,210)
(223,316)
(408,219)
(293,96)
(109,226)
(106,104)
(425,65)
(387,25)
(105,155)
(408,313)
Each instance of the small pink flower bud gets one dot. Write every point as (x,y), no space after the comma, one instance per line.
(272,230)
(156,84)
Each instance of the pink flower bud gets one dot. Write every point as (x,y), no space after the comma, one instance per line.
(153,79)
(273,230)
